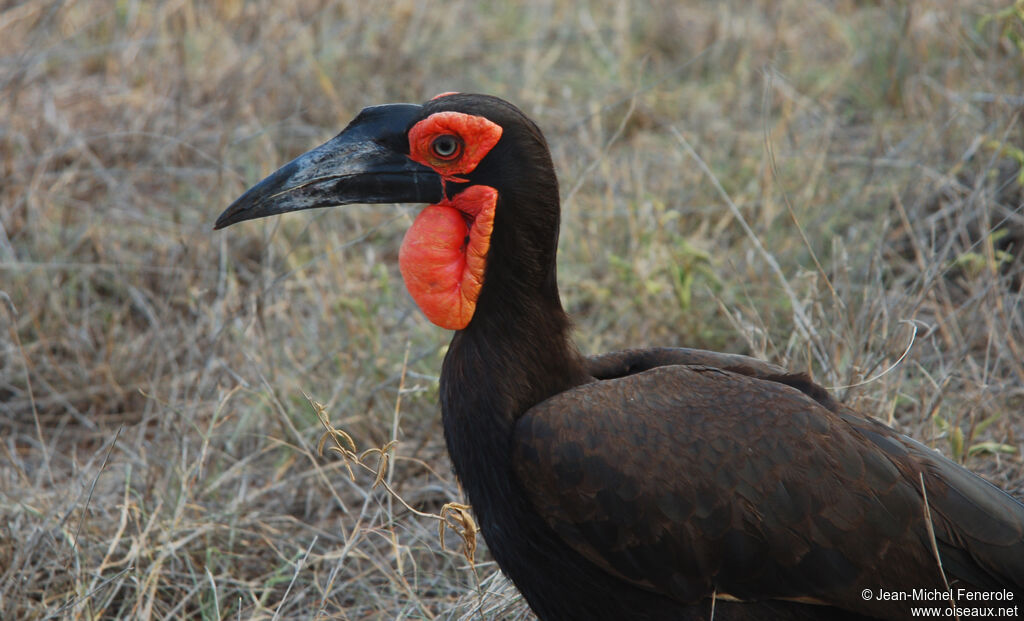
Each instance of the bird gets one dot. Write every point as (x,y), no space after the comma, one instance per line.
(658,483)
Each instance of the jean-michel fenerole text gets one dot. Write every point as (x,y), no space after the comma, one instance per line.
(940,595)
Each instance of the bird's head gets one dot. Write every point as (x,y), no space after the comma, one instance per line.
(480,163)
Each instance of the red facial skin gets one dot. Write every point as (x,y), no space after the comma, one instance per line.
(444,253)
(475,134)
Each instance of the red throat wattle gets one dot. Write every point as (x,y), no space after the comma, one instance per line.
(444,253)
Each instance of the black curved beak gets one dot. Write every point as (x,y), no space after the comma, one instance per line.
(365,163)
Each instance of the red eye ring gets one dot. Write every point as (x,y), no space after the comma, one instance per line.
(474,135)
(446,147)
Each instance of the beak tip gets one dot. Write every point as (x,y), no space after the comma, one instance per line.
(245,207)
(224,220)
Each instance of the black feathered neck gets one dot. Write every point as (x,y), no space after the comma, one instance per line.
(516,351)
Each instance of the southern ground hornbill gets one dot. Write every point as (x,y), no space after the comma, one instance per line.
(647,484)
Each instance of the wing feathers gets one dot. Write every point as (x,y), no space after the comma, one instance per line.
(691,479)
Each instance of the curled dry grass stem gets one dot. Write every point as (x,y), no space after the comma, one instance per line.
(892,367)
(458,518)
(453,516)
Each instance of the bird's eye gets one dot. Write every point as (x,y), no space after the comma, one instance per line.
(446,147)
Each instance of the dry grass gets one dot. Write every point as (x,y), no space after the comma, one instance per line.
(159,459)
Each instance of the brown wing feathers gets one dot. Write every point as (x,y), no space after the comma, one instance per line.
(688,480)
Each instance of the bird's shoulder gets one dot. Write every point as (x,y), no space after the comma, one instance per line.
(627,362)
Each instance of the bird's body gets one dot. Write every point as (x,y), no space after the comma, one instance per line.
(650,484)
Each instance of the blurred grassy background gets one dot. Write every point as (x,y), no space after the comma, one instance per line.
(159,458)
